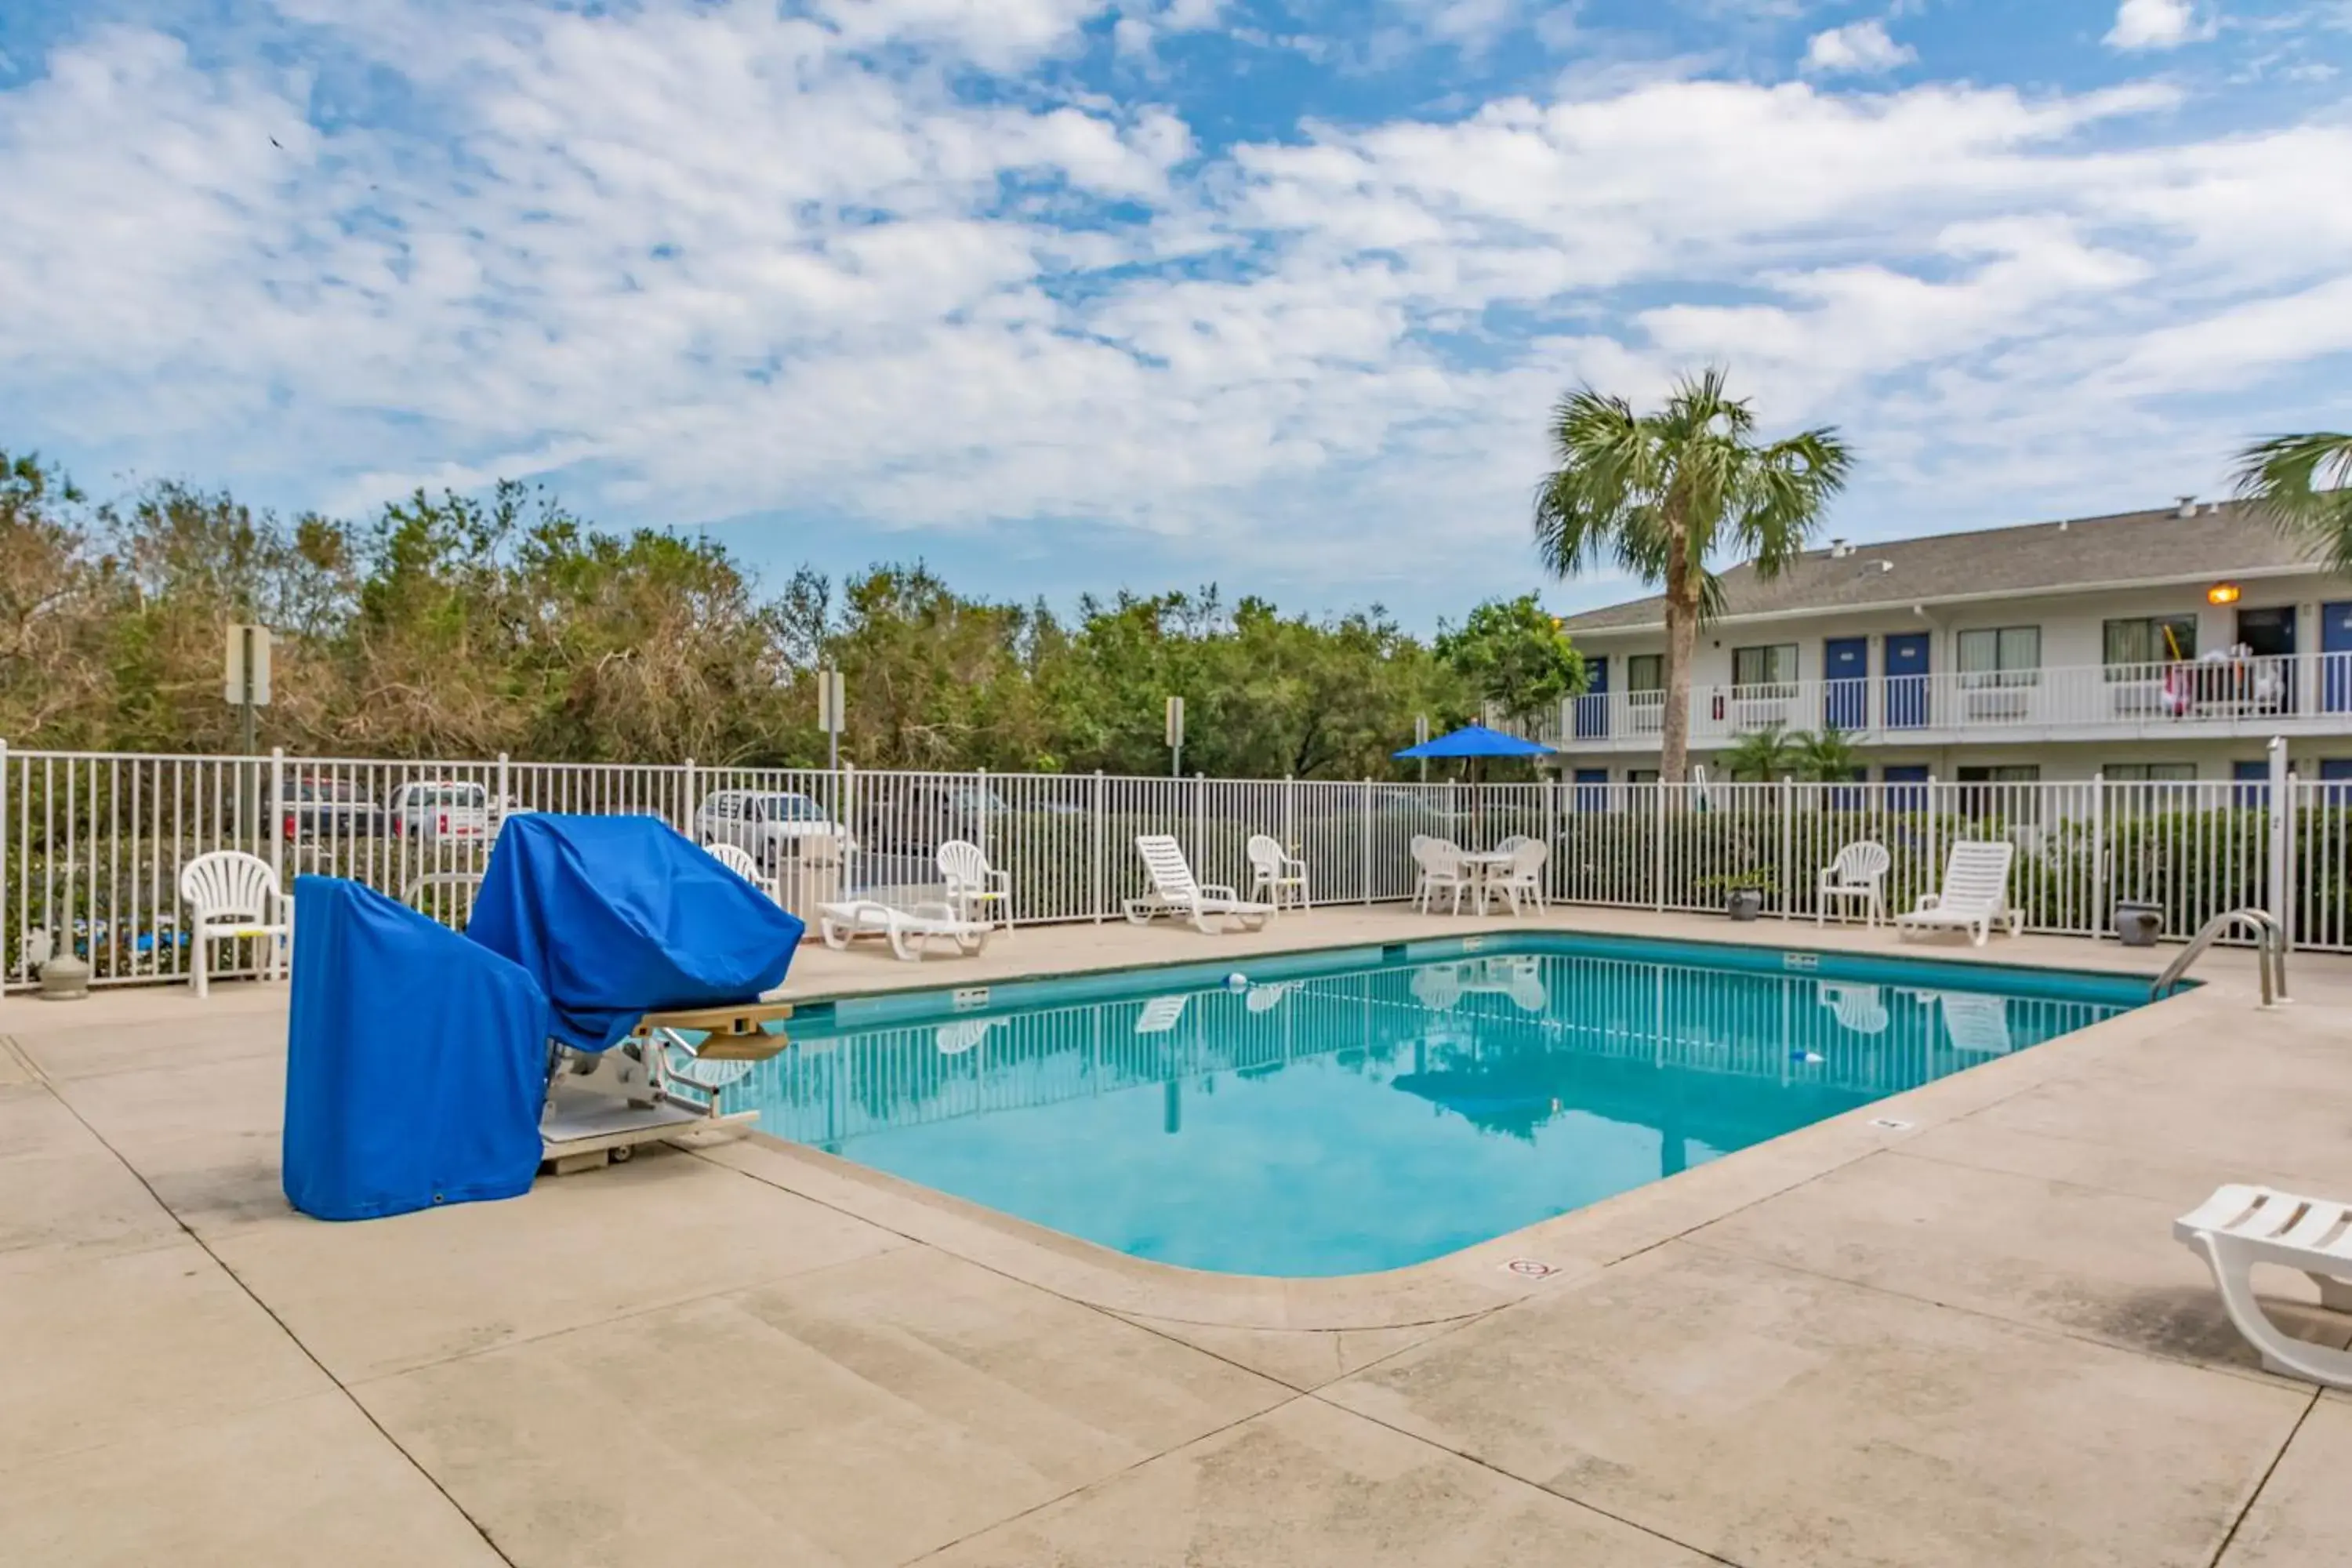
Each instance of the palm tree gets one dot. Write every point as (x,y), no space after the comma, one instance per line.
(1764,754)
(1658,494)
(1826,756)
(2304,483)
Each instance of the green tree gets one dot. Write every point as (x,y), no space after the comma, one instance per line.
(1659,494)
(2303,484)
(1513,654)
(1763,755)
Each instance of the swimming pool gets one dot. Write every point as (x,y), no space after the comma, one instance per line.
(1342,1112)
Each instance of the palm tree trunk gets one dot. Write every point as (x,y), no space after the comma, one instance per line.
(1682,638)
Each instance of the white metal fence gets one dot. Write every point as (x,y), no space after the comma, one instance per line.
(91,844)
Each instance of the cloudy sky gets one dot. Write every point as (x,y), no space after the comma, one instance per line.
(1068,294)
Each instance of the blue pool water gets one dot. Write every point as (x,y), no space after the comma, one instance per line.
(1344,1112)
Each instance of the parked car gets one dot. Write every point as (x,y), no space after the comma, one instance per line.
(320,806)
(436,811)
(770,825)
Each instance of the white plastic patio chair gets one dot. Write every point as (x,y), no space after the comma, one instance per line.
(1276,876)
(2239,1226)
(975,889)
(742,864)
(1525,879)
(1175,892)
(1442,871)
(911,931)
(961,1035)
(1974,897)
(1159,1015)
(1858,875)
(1861,1008)
(1978,1022)
(231,894)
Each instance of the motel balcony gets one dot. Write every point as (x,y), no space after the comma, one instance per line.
(2306,694)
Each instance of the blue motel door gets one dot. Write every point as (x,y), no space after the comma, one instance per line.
(1592,708)
(2335,656)
(1845,692)
(1906,681)
(1593,789)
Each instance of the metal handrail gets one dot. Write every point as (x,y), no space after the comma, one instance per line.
(2269,953)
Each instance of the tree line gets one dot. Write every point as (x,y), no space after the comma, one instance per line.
(464,627)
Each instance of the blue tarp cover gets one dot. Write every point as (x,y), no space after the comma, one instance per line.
(619,916)
(415,1061)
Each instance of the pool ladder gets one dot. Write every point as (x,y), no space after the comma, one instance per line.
(2269,953)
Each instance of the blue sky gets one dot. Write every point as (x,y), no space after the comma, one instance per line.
(1071,294)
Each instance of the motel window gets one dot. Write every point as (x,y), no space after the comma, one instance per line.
(1641,775)
(1754,668)
(2148,639)
(1645,672)
(2150,773)
(2001,656)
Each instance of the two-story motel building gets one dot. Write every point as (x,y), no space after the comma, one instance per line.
(2152,645)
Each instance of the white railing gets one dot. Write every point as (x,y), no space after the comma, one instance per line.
(2302,693)
(91,844)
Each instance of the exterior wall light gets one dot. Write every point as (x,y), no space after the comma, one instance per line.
(2221,594)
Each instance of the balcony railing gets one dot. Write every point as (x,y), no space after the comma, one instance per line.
(2307,692)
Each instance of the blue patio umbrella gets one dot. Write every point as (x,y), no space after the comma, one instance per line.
(1477,741)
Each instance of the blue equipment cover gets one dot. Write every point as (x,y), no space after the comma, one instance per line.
(415,1061)
(620,916)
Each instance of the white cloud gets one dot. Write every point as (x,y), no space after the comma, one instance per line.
(707,262)
(1856,48)
(2155,24)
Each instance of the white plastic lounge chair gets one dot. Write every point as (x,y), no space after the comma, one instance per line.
(911,931)
(1275,875)
(1858,876)
(1523,883)
(231,894)
(1861,1008)
(1441,872)
(1974,897)
(1159,1015)
(742,864)
(976,890)
(1174,892)
(2239,1226)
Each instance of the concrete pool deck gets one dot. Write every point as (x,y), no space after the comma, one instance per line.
(1970,1340)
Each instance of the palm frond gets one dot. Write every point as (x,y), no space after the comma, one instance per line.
(2304,485)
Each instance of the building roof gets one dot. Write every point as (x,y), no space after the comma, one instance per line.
(2221,539)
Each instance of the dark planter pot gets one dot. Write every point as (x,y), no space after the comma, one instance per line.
(1744,903)
(2139,924)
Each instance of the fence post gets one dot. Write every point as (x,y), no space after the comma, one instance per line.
(2282,826)
(1552,858)
(506,787)
(1101,895)
(1658,849)
(1787,879)
(2096,917)
(686,798)
(848,833)
(275,827)
(1366,801)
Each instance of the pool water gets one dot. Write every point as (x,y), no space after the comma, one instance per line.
(1338,1114)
